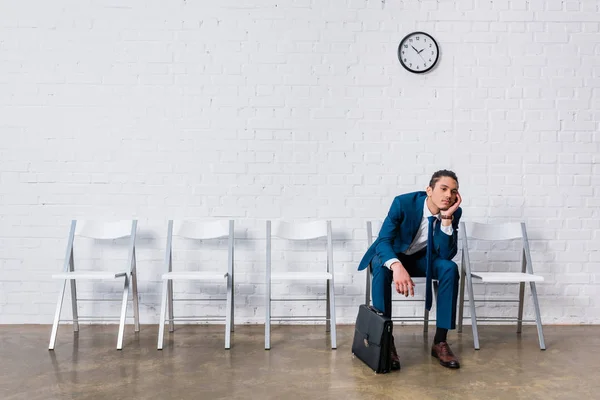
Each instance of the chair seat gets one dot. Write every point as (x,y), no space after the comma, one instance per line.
(195,275)
(300,276)
(90,275)
(506,277)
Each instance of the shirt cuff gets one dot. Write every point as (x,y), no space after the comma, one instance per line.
(389,262)
(447,229)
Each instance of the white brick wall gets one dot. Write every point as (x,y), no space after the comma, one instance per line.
(293,109)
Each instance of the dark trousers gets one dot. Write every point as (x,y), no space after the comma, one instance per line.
(445,271)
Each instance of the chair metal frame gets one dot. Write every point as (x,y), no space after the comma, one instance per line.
(98,231)
(301,231)
(497,232)
(198,231)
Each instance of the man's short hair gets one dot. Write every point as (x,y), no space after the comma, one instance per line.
(440,174)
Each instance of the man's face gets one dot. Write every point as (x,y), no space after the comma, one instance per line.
(443,195)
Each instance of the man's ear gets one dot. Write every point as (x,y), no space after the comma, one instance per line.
(429,190)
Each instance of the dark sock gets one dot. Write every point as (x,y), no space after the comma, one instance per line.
(440,335)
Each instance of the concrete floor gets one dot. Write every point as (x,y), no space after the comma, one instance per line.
(300,365)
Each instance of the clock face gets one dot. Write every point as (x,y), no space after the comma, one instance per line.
(418,52)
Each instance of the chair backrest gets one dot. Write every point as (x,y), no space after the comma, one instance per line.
(201,231)
(373,228)
(104,230)
(301,231)
(496,231)
(101,231)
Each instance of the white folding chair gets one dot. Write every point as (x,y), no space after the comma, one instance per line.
(197,231)
(375,226)
(100,231)
(299,232)
(498,232)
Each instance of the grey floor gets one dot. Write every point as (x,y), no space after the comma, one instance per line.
(300,365)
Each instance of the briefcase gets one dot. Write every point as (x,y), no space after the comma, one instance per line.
(373,339)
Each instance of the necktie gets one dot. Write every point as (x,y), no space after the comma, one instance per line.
(429,273)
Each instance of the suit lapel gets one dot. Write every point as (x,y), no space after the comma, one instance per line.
(417,216)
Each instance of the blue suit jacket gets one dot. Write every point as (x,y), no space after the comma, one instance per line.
(401,226)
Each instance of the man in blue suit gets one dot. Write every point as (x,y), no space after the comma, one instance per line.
(419,238)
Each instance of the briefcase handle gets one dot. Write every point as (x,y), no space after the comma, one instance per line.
(376,311)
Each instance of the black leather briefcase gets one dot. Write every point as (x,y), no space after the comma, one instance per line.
(373,339)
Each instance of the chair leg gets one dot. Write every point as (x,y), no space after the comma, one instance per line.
(473,315)
(328,309)
(163,315)
(123,313)
(521,297)
(170,299)
(268,290)
(232,304)
(538,318)
(368,286)
(74,306)
(426,312)
(333,325)
(61,295)
(228,314)
(268,318)
(461,301)
(136,303)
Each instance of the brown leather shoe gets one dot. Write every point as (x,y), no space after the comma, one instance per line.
(395,358)
(442,352)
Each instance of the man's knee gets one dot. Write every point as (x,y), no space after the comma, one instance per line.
(381,276)
(447,268)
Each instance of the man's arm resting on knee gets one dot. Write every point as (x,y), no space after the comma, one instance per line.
(402,281)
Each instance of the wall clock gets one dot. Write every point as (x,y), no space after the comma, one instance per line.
(418,52)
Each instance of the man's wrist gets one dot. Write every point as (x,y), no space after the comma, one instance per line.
(396,265)
(388,263)
(447,219)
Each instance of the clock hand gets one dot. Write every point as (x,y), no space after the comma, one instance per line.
(420,50)
(414,48)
